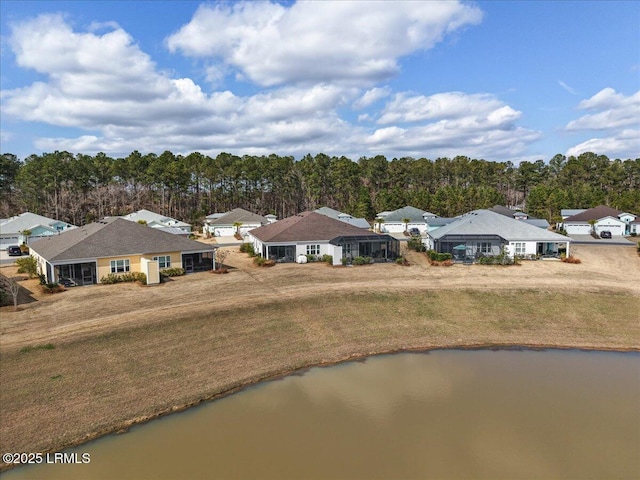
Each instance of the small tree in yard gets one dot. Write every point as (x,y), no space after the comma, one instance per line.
(28,265)
(221,256)
(14,289)
(406,223)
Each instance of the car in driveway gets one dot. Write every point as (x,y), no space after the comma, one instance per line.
(414,232)
(605,234)
(14,251)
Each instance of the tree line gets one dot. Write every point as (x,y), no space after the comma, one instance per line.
(82,188)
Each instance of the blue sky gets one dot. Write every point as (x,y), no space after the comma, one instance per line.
(499,80)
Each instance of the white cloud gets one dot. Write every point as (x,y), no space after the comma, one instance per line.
(624,145)
(104,85)
(616,114)
(346,41)
(567,88)
(371,96)
(614,110)
(405,107)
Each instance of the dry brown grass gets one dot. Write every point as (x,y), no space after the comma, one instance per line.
(125,353)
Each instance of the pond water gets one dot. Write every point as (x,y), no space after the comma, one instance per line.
(443,414)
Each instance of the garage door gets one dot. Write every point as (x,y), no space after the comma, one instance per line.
(8,241)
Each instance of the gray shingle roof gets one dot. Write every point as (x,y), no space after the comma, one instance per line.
(306,226)
(486,222)
(149,217)
(343,217)
(26,221)
(595,213)
(112,237)
(238,215)
(415,215)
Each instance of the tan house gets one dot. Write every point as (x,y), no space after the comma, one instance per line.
(114,245)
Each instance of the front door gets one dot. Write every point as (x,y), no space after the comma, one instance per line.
(87,275)
(188,264)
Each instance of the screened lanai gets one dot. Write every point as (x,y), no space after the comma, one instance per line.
(380,248)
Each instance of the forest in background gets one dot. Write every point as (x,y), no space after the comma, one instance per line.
(82,188)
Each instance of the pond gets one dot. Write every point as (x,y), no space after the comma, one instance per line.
(443,414)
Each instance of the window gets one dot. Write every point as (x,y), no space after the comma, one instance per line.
(484,247)
(313,249)
(164,261)
(519,248)
(120,266)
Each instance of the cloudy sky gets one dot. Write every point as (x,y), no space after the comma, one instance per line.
(495,80)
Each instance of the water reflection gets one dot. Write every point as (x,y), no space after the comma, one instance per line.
(447,414)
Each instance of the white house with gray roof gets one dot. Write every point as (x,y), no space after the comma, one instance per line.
(483,232)
(12,230)
(393,222)
(225,225)
(162,222)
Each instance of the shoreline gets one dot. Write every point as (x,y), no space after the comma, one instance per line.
(124,427)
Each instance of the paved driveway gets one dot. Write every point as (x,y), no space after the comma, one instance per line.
(589,240)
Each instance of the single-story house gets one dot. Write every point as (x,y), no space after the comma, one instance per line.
(393,221)
(520,215)
(486,233)
(224,225)
(606,218)
(343,217)
(155,220)
(311,233)
(12,229)
(114,245)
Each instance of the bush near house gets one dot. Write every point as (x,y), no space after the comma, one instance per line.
(248,248)
(52,288)
(327,259)
(263,262)
(124,277)
(172,272)
(415,244)
(571,259)
(28,265)
(439,259)
(362,260)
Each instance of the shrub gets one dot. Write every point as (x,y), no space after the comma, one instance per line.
(248,248)
(124,277)
(362,260)
(345,260)
(311,258)
(571,259)
(263,262)
(327,259)
(415,244)
(438,257)
(402,261)
(52,288)
(171,272)
(28,265)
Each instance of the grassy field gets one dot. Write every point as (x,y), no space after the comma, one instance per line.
(66,389)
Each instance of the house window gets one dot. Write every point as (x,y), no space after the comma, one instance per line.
(164,261)
(519,248)
(313,249)
(120,266)
(483,247)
